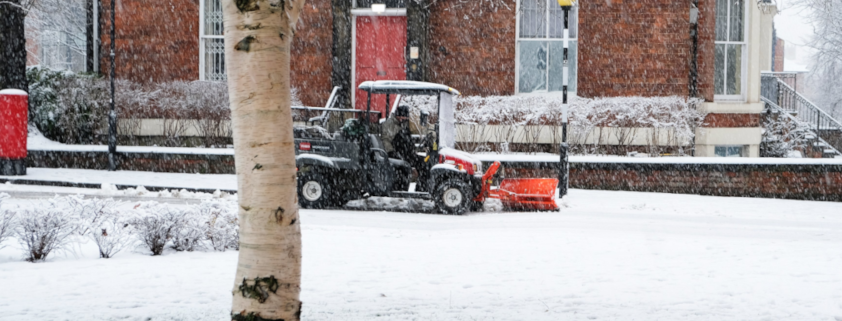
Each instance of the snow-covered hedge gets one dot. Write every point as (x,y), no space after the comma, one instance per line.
(60,222)
(72,108)
(536,114)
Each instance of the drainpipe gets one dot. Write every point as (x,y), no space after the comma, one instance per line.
(694,49)
(694,60)
(340,75)
(417,27)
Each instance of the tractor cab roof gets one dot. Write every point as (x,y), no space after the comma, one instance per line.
(405,87)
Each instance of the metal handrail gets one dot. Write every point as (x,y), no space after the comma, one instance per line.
(809,103)
(779,109)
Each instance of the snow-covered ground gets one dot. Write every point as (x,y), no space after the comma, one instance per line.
(605,256)
(36,141)
(136,178)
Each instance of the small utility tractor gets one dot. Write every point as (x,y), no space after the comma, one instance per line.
(351,163)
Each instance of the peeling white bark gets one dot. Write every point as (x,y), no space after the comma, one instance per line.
(259,91)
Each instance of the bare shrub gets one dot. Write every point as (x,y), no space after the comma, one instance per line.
(7,220)
(783,134)
(191,233)
(43,230)
(113,233)
(223,229)
(101,220)
(155,225)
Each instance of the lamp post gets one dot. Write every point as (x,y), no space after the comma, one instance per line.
(112,115)
(566,5)
(564,166)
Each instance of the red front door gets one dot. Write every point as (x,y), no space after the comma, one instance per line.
(381,41)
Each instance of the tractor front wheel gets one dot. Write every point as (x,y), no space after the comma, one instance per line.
(453,197)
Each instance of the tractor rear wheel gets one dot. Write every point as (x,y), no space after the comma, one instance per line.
(453,197)
(314,191)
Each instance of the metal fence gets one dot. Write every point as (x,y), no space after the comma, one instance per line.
(782,95)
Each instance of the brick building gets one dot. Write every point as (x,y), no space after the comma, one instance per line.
(489,47)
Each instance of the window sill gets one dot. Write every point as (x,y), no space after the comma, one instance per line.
(547,94)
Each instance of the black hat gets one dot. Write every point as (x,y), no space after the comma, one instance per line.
(402,111)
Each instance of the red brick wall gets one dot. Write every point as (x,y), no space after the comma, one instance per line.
(812,182)
(32,47)
(731,120)
(475,55)
(642,48)
(311,53)
(157,40)
(780,46)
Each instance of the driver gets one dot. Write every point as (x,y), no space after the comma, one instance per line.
(397,138)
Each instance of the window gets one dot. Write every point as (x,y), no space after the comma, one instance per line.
(730,49)
(540,45)
(211,45)
(728,151)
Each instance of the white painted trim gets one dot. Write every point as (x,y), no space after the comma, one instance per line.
(353,60)
(517,47)
(467,133)
(368,12)
(743,96)
(731,108)
(97,43)
(728,136)
(518,40)
(530,134)
(201,40)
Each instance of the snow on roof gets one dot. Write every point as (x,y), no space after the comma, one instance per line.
(404,87)
(15,92)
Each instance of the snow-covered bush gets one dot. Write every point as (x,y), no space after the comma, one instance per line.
(7,220)
(783,134)
(156,224)
(65,106)
(113,233)
(72,108)
(102,221)
(191,234)
(41,230)
(223,229)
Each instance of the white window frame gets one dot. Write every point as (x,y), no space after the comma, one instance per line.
(548,40)
(741,97)
(202,38)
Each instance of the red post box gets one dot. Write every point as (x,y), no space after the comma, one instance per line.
(13,131)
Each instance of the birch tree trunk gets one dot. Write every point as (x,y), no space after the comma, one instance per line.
(258,36)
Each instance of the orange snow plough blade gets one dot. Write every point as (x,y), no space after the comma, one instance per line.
(536,194)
